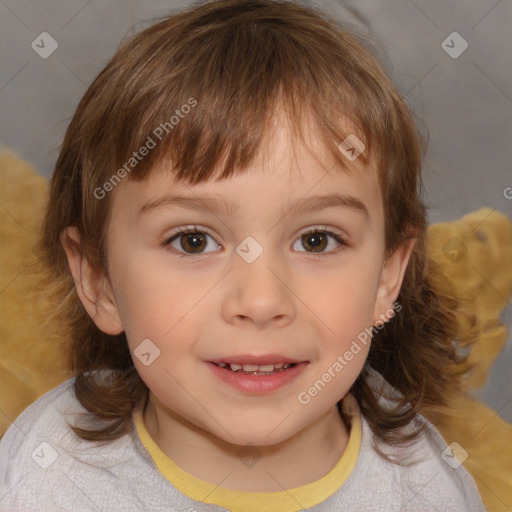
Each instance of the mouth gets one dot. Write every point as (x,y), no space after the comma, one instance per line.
(257,375)
(247,364)
(255,369)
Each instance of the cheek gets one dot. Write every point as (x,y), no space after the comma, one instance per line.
(165,308)
(345,299)
(345,309)
(151,298)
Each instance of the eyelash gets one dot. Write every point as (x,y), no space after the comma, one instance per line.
(196,229)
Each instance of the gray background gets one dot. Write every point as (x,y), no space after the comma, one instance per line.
(465,102)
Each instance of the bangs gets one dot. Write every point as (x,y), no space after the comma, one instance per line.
(200,90)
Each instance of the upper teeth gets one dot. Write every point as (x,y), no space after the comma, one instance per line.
(255,367)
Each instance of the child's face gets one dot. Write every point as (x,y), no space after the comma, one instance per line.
(290,302)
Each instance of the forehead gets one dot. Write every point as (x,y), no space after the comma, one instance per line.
(284,178)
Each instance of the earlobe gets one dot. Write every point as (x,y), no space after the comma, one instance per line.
(391,279)
(92,285)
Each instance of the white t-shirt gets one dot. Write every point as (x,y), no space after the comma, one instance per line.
(45,467)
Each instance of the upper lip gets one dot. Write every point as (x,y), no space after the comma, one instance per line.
(259,360)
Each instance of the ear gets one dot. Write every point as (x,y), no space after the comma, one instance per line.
(391,278)
(93,286)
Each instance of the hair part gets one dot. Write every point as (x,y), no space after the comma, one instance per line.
(240,62)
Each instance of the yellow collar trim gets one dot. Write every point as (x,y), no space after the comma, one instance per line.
(291,500)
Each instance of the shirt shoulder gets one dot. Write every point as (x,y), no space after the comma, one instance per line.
(40,454)
(419,477)
(42,420)
(30,445)
(430,476)
(45,466)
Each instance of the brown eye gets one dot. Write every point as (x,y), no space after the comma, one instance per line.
(193,242)
(317,242)
(320,241)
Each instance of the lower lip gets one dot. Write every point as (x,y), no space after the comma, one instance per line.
(258,384)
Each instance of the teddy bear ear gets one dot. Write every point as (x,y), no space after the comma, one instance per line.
(92,285)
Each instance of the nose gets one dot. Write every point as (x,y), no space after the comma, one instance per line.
(259,293)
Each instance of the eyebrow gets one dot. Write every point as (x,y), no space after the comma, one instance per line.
(304,205)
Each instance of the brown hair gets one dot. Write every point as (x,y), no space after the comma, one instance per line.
(238,60)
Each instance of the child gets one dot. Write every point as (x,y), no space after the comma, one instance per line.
(236,246)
